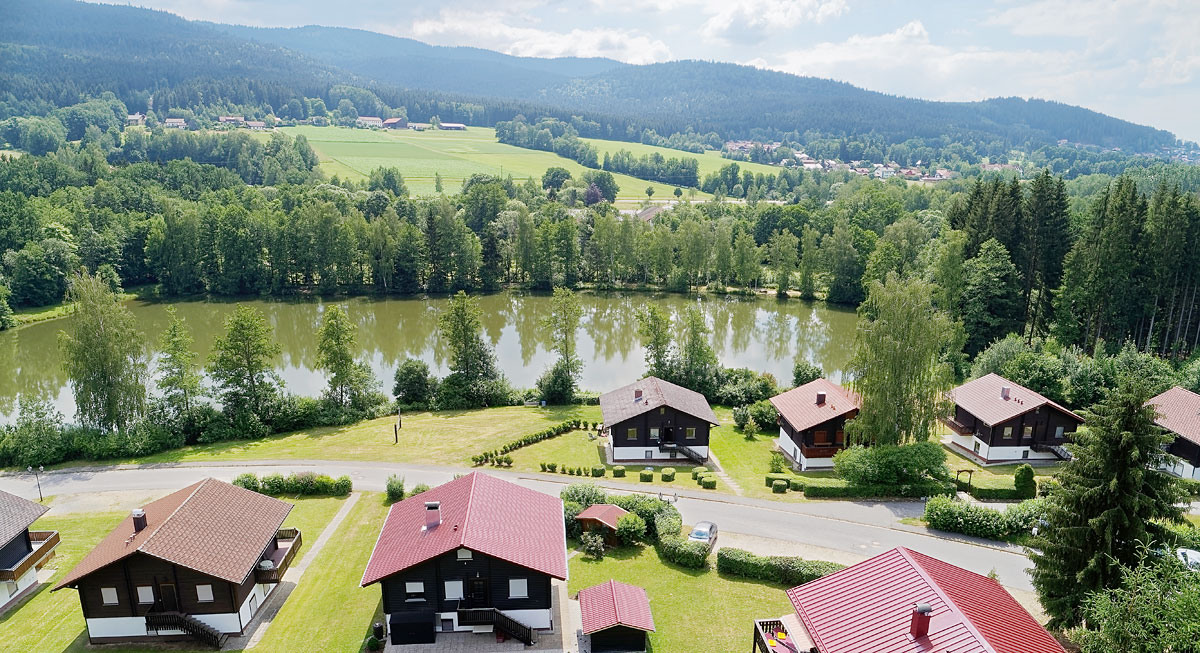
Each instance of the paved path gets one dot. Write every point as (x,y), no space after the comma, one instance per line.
(861,527)
(725,478)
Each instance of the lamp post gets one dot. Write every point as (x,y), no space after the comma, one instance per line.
(38,476)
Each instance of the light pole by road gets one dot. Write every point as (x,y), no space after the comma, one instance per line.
(38,476)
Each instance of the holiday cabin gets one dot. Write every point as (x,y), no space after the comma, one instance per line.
(615,617)
(22,551)
(652,419)
(1178,411)
(812,419)
(998,421)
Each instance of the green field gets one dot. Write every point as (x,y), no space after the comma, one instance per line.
(710,161)
(455,155)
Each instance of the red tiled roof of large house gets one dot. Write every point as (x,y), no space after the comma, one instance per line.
(17,514)
(477,512)
(615,604)
(1178,412)
(210,526)
(646,394)
(815,402)
(605,513)
(870,607)
(994,399)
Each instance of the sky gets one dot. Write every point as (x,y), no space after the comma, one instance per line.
(1134,59)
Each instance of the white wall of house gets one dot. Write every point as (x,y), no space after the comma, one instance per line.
(792,451)
(1182,469)
(121,627)
(541,619)
(999,454)
(10,591)
(259,593)
(226,622)
(634,454)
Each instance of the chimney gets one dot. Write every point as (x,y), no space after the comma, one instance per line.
(820,398)
(1004,391)
(637,394)
(920,620)
(433,514)
(139,520)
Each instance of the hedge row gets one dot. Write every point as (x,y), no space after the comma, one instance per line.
(995,493)
(596,471)
(946,514)
(497,456)
(302,483)
(663,521)
(785,570)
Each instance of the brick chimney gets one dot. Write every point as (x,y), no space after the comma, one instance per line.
(433,514)
(820,398)
(139,520)
(920,620)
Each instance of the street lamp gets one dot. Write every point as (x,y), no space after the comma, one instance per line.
(38,476)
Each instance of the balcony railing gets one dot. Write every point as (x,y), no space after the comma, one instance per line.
(501,621)
(43,545)
(177,621)
(287,543)
(773,636)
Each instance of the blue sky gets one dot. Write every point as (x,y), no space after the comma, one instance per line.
(1135,59)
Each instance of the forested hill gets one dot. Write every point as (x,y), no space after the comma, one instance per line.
(55,53)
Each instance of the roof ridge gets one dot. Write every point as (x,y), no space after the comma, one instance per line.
(197,485)
(612,594)
(937,588)
(462,532)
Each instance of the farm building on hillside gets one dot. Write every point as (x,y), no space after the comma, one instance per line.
(395,123)
(369,121)
(652,419)
(22,551)
(452,126)
(477,554)
(135,119)
(811,422)
(996,420)
(196,564)
(1179,412)
(175,123)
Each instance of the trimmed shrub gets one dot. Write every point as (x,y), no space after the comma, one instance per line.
(395,488)
(342,486)
(778,462)
(1024,482)
(779,487)
(618,471)
(631,529)
(788,571)
(709,483)
(552,467)
(668,473)
(585,494)
(892,465)
(273,484)
(373,644)
(667,523)
(248,481)
(593,545)
(646,475)
(946,514)
(847,491)
(771,478)
(685,553)
(597,471)
(698,470)
(989,493)
(418,489)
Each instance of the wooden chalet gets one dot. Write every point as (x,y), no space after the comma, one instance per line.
(1178,411)
(616,617)
(196,564)
(998,421)
(477,554)
(902,601)
(812,419)
(602,518)
(22,551)
(652,419)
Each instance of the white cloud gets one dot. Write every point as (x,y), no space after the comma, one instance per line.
(748,20)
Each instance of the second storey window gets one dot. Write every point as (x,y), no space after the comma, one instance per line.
(108,595)
(518,588)
(454,590)
(145,594)
(1008,433)
(204,593)
(653,434)
(631,434)
(414,591)
(1028,431)
(690,434)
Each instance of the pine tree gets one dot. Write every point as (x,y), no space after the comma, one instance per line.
(991,299)
(1110,496)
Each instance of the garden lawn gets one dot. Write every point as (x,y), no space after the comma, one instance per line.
(694,610)
(443,437)
(998,476)
(52,621)
(746,461)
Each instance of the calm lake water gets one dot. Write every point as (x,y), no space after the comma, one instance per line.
(759,333)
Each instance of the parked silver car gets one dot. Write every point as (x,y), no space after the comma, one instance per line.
(704,532)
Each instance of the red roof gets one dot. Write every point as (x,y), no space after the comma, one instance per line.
(984,398)
(869,606)
(481,513)
(605,513)
(800,408)
(1178,412)
(618,405)
(615,604)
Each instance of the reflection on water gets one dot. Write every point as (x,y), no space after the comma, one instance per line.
(762,334)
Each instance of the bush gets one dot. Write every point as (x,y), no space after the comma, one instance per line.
(741,386)
(668,473)
(597,471)
(373,644)
(557,384)
(709,483)
(771,478)
(631,529)
(788,571)
(779,487)
(418,489)
(667,523)
(585,494)
(697,471)
(762,412)
(552,467)
(248,481)
(1192,486)
(805,372)
(1024,482)
(593,545)
(945,514)
(646,475)
(892,465)
(571,511)
(342,486)
(395,488)
(839,489)
(618,471)
(778,462)
(273,484)
(414,385)
(685,553)
(302,483)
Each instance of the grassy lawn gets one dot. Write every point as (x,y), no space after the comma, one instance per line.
(710,161)
(746,461)
(444,437)
(693,610)
(32,314)
(998,476)
(455,155)
(52,621)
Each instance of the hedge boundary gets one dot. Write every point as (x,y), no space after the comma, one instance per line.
(497,457)
(298,483)
(789,571)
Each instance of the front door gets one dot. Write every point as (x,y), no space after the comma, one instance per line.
(477,593)
(169,601)
(668,434)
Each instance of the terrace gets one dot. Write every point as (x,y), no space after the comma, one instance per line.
(782,635)
(43,543)
(287,541)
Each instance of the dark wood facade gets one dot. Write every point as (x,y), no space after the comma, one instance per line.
(661,425)
(597,526)
(1044,425)
(485,584)
(618,639)
(822,440)
(1185,449)
(15,549)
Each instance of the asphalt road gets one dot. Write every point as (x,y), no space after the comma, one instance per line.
(865,528)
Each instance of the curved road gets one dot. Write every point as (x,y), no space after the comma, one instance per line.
(865,528)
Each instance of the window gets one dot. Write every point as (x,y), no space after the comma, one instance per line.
(1008,433)
(518,588)
(1028,432)
(631,434)
(454,590)
(11,587)
(649,454)
(204,593)
(1058,432)
(977,446)
(108,595)
(1025,453)
(145,594)
(653,434)
(690,434)
(662,410)
(414,591)
(464,554)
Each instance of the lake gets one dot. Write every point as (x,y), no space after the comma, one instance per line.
(763,334)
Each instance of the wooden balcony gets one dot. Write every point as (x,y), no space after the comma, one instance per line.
(43,547)
(823,451)
(783,635)
(287,542)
